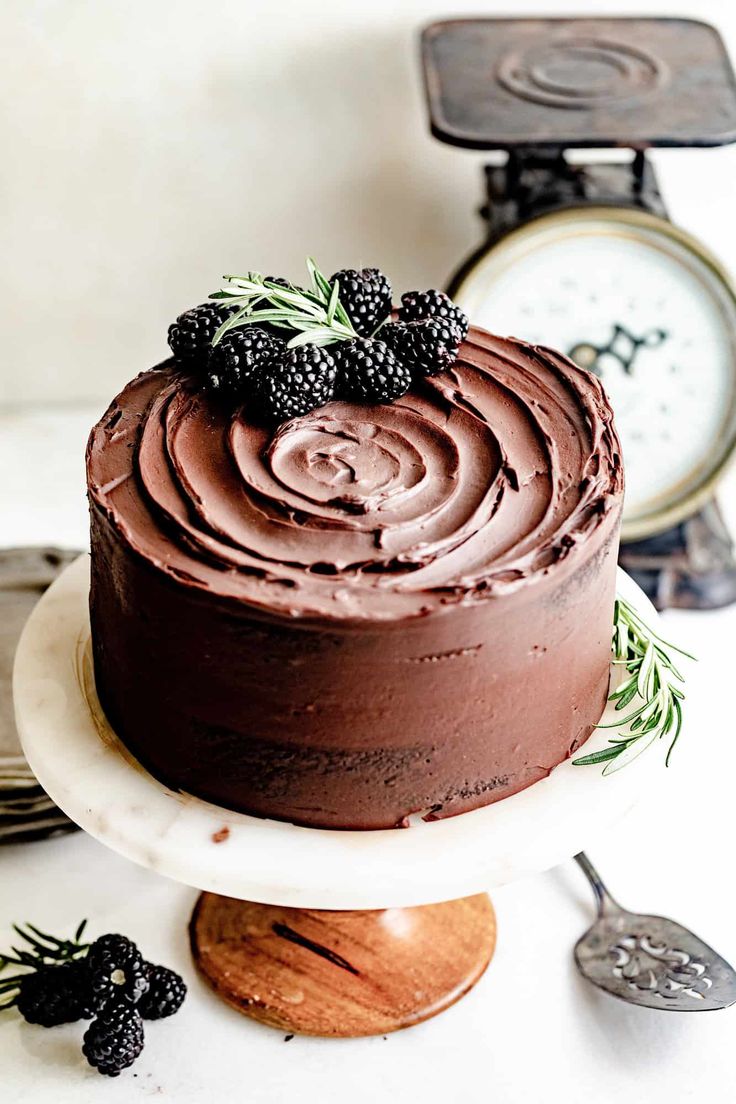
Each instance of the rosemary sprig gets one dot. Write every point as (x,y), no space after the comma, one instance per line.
(317,315)
(648,697)
(46,950)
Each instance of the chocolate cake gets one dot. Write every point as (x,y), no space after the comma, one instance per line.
(369,612)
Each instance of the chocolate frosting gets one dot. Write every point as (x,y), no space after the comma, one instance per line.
(476,518)
(474,484)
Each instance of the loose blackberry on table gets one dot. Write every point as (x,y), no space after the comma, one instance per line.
(52,987)
(114,1039)
(64,980)
(115,969)
(55,995)
(166,992)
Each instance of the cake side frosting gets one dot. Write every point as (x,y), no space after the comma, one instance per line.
(373,611)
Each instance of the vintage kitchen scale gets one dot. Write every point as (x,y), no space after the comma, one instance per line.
(584,258)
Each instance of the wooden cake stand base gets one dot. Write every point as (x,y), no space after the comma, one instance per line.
(316,972)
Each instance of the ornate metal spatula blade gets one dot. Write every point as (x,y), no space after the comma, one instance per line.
(650,960)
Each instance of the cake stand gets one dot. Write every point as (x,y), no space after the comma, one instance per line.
(310,930)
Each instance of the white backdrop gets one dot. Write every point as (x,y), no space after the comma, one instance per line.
(149,147)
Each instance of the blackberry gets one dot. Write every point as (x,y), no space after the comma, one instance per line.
(427,347)
(166,992)
(296,382)
(113,1040)
(115,970)
(370,372)
(418,305)
(190,337)
(54,995)
(280,332)
(282,282)
(236,360)
(366,296)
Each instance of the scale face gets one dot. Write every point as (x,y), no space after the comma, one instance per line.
(582,256)
(644,307)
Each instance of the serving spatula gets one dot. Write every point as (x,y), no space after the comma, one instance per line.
(650,960)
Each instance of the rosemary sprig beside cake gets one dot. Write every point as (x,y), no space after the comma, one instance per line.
(287,350)
(649,697)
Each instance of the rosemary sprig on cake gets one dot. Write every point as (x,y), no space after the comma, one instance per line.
(314,317)
(286,350)
(649,696)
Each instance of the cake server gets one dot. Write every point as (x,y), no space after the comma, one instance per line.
(650,960)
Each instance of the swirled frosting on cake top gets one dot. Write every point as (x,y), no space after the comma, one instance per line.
(472,483)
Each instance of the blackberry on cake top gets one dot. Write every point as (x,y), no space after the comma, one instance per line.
(283,350)
(297,381)
(236,363)
(366,296)
(416,306)
(428,347)
(370,372)
(190,337)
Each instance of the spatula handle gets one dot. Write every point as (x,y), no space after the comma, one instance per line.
(603,897)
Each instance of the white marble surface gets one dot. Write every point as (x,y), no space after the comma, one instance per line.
(530,1031)
(81,763)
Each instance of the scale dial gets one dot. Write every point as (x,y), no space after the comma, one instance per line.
(643,305)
